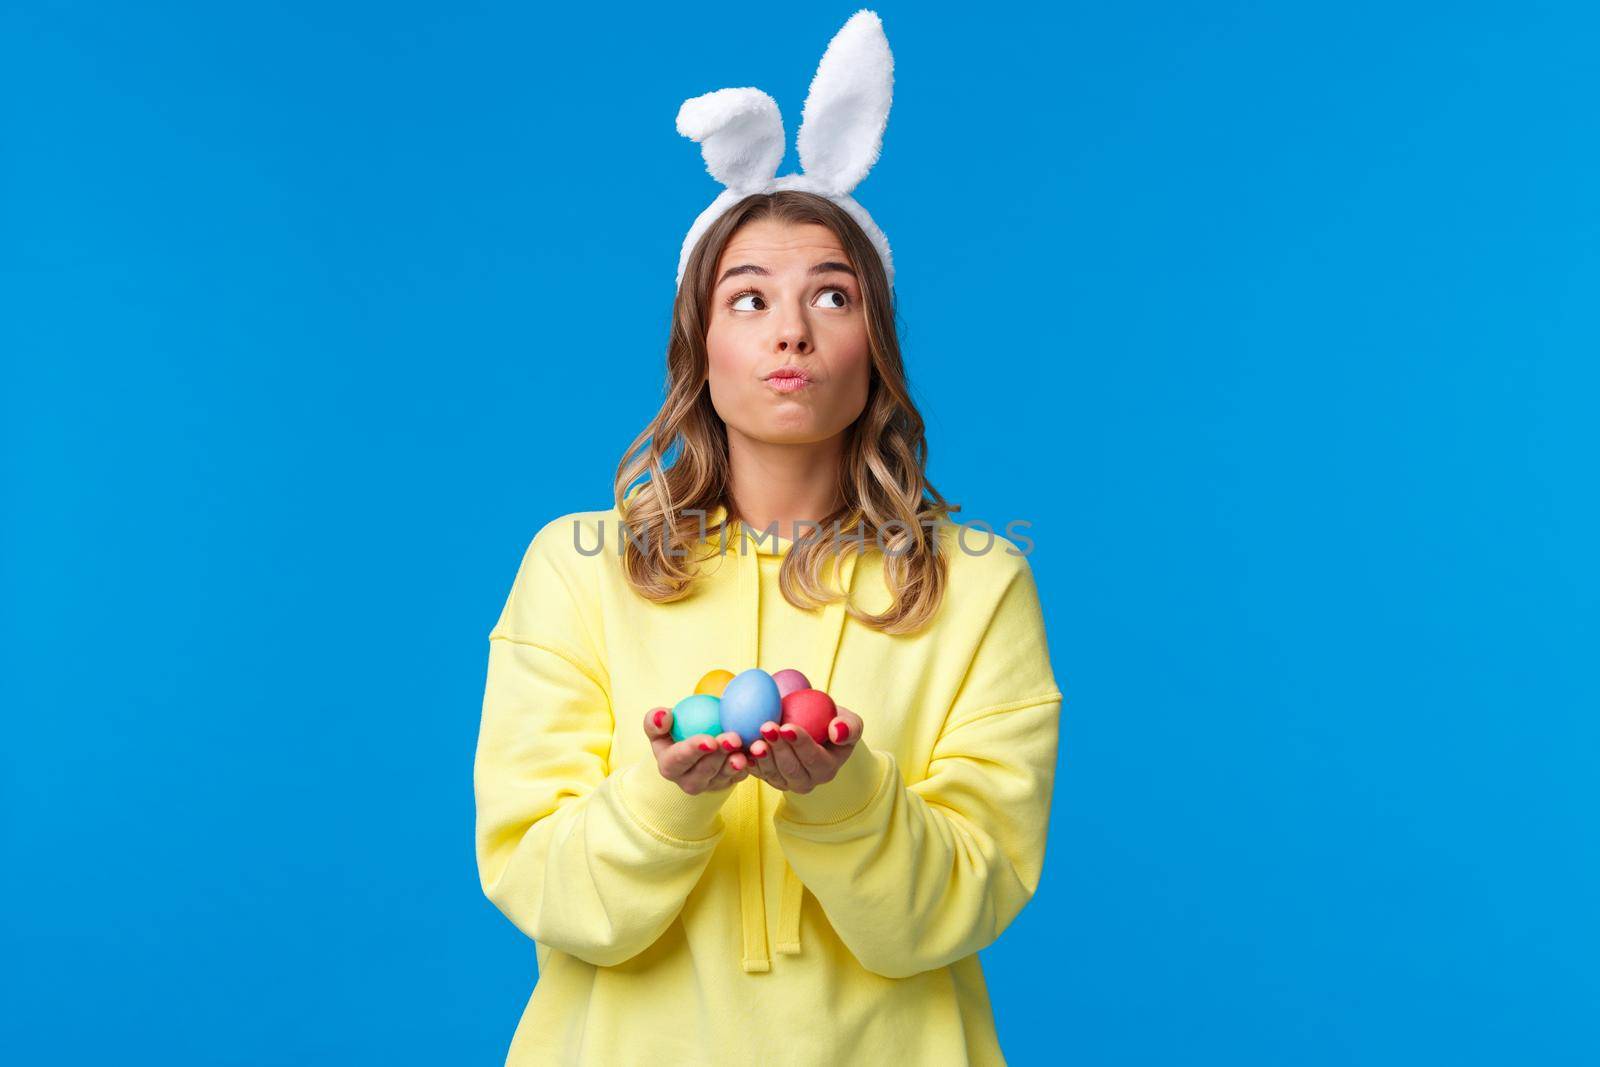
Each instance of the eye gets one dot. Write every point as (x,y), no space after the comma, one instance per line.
(834,298)
(734,301)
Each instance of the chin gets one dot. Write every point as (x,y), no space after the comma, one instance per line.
(808,434)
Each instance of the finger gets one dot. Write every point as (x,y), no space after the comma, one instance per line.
(818,762)
(757,771)
(766,767)
(845,729)
(788,763)
(679,759)
(768,763)
(658,728)
(725,781)
(701,775)
(735,769)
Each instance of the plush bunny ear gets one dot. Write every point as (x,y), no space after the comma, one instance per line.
(740,134)
(841,128)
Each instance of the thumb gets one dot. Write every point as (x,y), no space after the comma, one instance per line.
(658,728)
(845,729)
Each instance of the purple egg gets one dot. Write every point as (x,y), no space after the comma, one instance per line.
(750,700)
(790,681)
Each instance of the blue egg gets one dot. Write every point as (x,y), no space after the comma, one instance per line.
(750,700)
(699,714)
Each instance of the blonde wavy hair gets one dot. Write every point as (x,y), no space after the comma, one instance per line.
(886,497)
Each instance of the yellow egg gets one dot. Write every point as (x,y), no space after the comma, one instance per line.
(714,683)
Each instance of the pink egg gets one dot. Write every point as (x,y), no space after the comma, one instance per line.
(790,681)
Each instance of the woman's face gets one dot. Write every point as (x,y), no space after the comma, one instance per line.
(786,300)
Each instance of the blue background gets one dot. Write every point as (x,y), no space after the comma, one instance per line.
(1277,320)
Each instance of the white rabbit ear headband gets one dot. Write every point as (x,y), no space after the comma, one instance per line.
(740,133)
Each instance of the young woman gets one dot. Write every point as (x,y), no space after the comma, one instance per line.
(797,899)
(789,902)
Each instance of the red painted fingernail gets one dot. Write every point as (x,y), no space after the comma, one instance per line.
(841,732)
(759,750)
(769,731)
(729,745)
(707,748)
(789,733)
(659,716)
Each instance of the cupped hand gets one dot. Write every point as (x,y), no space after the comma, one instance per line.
(698,764)
(788,758)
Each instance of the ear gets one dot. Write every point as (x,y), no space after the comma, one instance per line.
(841,128)
(740,134)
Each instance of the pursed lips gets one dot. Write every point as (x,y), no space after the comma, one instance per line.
(788,380)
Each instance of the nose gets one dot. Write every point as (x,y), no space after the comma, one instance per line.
(794,338)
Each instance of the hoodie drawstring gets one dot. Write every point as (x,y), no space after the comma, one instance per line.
(752,907)
(747,810)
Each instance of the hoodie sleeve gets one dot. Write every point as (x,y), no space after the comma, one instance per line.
(915,877)
(591,860)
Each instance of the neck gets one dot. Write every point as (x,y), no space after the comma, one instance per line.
(777,484)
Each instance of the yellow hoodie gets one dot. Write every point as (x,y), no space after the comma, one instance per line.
(656,914)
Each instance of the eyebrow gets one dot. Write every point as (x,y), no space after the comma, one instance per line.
(826,267)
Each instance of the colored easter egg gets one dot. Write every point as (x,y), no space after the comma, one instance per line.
(811,710)
(790,681)
(698,714)
(714,683)
(748,701)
